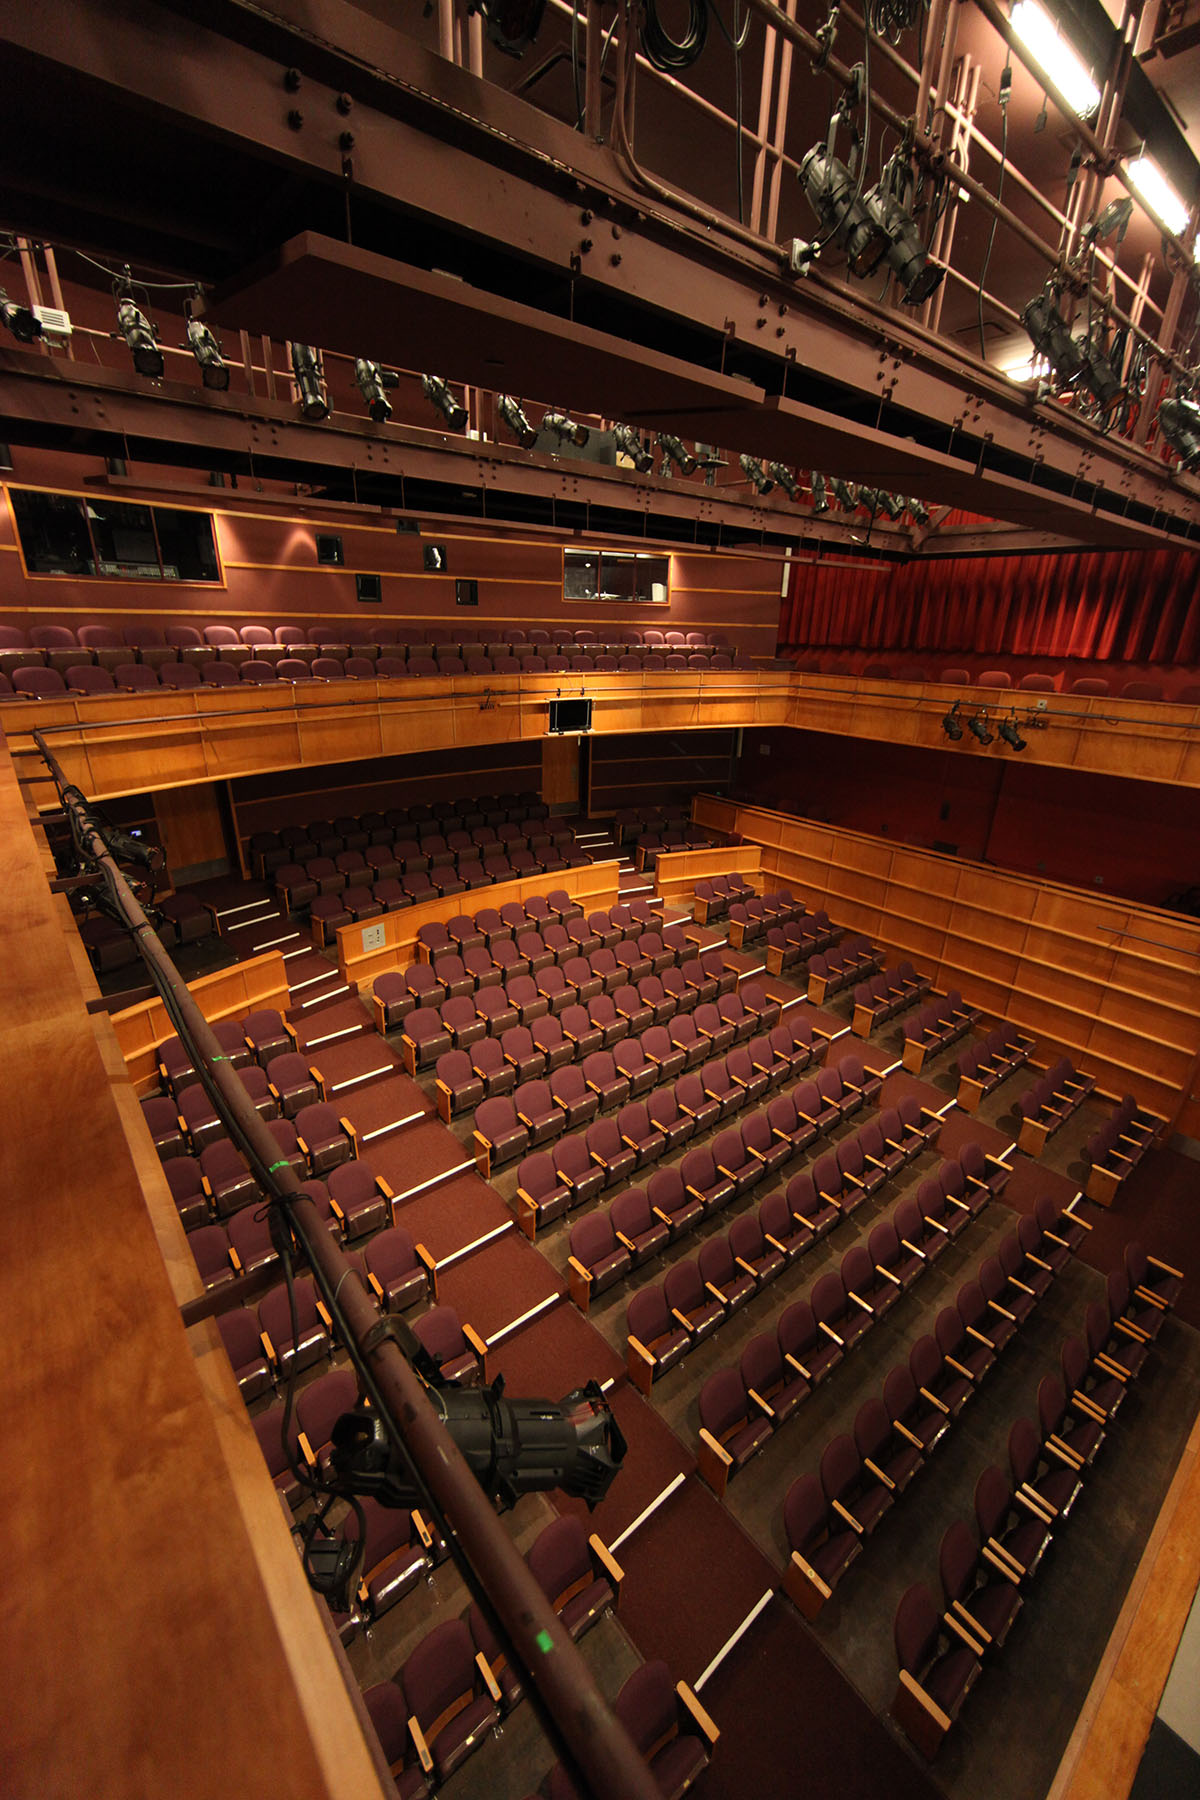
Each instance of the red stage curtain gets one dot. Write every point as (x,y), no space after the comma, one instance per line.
(1118,606)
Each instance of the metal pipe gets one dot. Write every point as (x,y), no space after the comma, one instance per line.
(770,45)
(602,1751)
(56,289)
(594,52)
(446,29)
(475,42)
(778,135)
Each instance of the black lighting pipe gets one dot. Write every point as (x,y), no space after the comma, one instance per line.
(603,1754)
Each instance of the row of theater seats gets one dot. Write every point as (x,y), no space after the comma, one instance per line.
(886,995)
(1118,1147)
(936,1027)
(983,1065)
(813,1335)
(793,943)
(1047,1103)
(986,1566)
(178,918)
(578,1168)
(506,816)
(694,1299)
(710,899)
(336,890)
(670,839)
(631,822)
(1037,682)
(507,1126)
(831,971)
(827,1517)
(749,919)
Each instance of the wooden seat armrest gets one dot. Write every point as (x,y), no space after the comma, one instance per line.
(854,1180)
(695,1193)
(1151,1299)
(830,1332)
(959,1368)
(628,1242)
(1038,1262)
(1003,1311)
(957,1628)
(306,1451)
(689,1110)
(748,1267)
(797,1365)
(1130,1330)
(1064,1452)
(1157,1263)
(979,1182)
(337,1212)
(584,1275)
(1085,1404)
(876,1164)
(605,1564)
(682,1318)
(998,1162)
(323,1315)
(810,1575)
(1034,1503)
(864,1305)
(819,1031)
(718,1450)
(384,1189)
(477,1344)
(301,1145)
(1077,1219)
(274,1093)
(934,1401)
(1022,1286)
(914,1440)
(934,1118)
(844,1512)
(774,1243)
(716,1293)
(807,1119)
(375,1286)
(422,1530)
(662,1216)
(915,1251)
(756,1154)
(421,1747)
(1003,1560)
(933,1712)
(878,1473)
(268,1349)
(525,1119)
(937,1225)
(1112,1368)
(953,1200)
(768,1409)
(969,1623)
(979,1337)
(696,1713)
(894,1145)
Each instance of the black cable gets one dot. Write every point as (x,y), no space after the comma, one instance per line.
(664,51)
(1005,91)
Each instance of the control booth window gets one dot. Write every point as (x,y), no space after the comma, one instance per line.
(630,576)
(63,534)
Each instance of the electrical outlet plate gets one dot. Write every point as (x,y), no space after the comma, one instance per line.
(374,937)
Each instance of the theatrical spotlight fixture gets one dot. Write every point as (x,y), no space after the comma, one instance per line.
(787,481)
(832,193)
(755,474)
(978,727)
(512,25)
(1052,338)
(906,254)
(816,482)
(452,410)
(845,493)
(306,373)
(372,382)
(630,444)
(674,452)
(1179,422)
(214,370)
(918,509)
(894,505)
(22,321)
(566,429)
(138,333)
(513,414)
(952,724)
(1010,731)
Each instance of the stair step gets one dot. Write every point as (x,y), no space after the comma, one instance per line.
(328,1024)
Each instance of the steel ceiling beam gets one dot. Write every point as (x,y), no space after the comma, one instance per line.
(541,214)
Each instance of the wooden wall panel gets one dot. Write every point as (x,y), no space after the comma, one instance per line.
(260,981)
(594,885)
(560,772)
(190,825)
(1112,985)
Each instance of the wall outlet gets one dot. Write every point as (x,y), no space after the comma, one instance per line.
(374,937)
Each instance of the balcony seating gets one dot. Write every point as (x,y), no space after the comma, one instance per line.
(1115,1150)
(1046,1105)
(885,995)
(982,1066)
(935,1028)
(840,967)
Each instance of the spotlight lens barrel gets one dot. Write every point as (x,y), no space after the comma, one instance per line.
(136,330)
(306,372)
(1179,421)
(830,189)
(452,410)
(22,321)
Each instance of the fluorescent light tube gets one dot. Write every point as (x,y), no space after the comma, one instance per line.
(1055,56)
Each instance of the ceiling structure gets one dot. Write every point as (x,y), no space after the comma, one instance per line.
(419,197)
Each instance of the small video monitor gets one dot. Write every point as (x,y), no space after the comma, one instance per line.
(570,715)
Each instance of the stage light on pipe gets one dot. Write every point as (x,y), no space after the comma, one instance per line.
(755,474)
(566,429)
(438,393)
(310,386)
(372,383)
(952,724)
(1179,422)
(630,444)
(830,190)
(674,452)
(22,321)
(906,254)
(1010,731)
(816,482)
(978,727)
(202,342)
(140,340)
(513,415)
(783,477)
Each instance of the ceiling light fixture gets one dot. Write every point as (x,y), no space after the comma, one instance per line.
(372,383)
(513,414)
(1056,57)
(139,337)
(1158,194)
(22,321)
(952,724)
(1010,731)
(630,444)
(438,393)
(202,342)
(755,474)
(310,386)
(833,195)
(1179,422)
(674,452)
(978,727)
(566,429)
